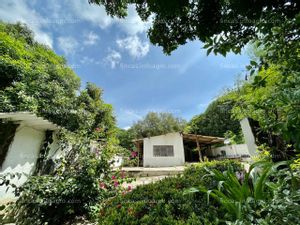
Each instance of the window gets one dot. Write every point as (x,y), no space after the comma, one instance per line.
(163,150)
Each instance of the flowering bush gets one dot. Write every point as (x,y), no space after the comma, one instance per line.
(81,181)
(164,202)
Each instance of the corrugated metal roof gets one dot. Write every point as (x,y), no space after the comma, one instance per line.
(29,119)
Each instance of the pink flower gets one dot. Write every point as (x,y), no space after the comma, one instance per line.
(102,185)
(133,154)
(116,183)
(97,129)
(113,177)
(129,188)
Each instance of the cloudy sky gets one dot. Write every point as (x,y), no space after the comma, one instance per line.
(116,55)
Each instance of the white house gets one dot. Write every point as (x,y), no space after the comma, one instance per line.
(21,154)
(173,149)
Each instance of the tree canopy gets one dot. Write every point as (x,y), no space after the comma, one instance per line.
(222,25)
(34,78)
(216,120)
(275,105)
(156,124)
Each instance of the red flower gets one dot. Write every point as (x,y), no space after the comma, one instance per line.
(113,177)
(129,188)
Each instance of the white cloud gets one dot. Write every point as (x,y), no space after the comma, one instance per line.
(113,58)
(87,60)
(92,13)
(90,38)
(133,24)
(68,45)
(18,11)
(97,15)
(135,47)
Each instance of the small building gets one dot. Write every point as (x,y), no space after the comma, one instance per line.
(22,135)
(173,149)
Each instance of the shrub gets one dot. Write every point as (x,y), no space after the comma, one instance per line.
(163,202)
(81,180)
(264,195)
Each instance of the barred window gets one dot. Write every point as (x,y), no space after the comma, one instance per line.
(163,150)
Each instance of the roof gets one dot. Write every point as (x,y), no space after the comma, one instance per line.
(192,137)
(203,139)
(29,119)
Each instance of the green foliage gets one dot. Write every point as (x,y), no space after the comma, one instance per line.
(234,138)
(81,180)
(130,158)
(216,120)
(125,138)
(163,202)
(274,104)
(156,124)
(35,79)
(222,26)
(256,196)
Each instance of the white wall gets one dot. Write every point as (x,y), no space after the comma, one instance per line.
(174,139)
(21,156)
(231,150)
(249,137)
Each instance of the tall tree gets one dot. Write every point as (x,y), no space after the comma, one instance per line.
(156,124)
(33,78)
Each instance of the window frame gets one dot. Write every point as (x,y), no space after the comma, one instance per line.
(158,151)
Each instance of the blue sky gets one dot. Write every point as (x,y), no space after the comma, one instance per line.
(116,55)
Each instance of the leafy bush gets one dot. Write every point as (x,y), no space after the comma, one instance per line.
(81,180)
(201,170)
(264,195)
(163,202)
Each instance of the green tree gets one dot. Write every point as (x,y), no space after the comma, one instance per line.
(223,26)
(156,124)
(125,138)
(34,78)
(275,105)
(216,120)
(94,116)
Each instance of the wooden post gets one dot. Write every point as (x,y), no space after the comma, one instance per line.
(199,150)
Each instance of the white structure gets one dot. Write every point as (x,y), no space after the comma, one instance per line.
(249,137)
(239,151)
(168,150)
(24,149)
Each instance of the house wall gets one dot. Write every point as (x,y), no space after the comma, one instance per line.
(21,156)
(174,139)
